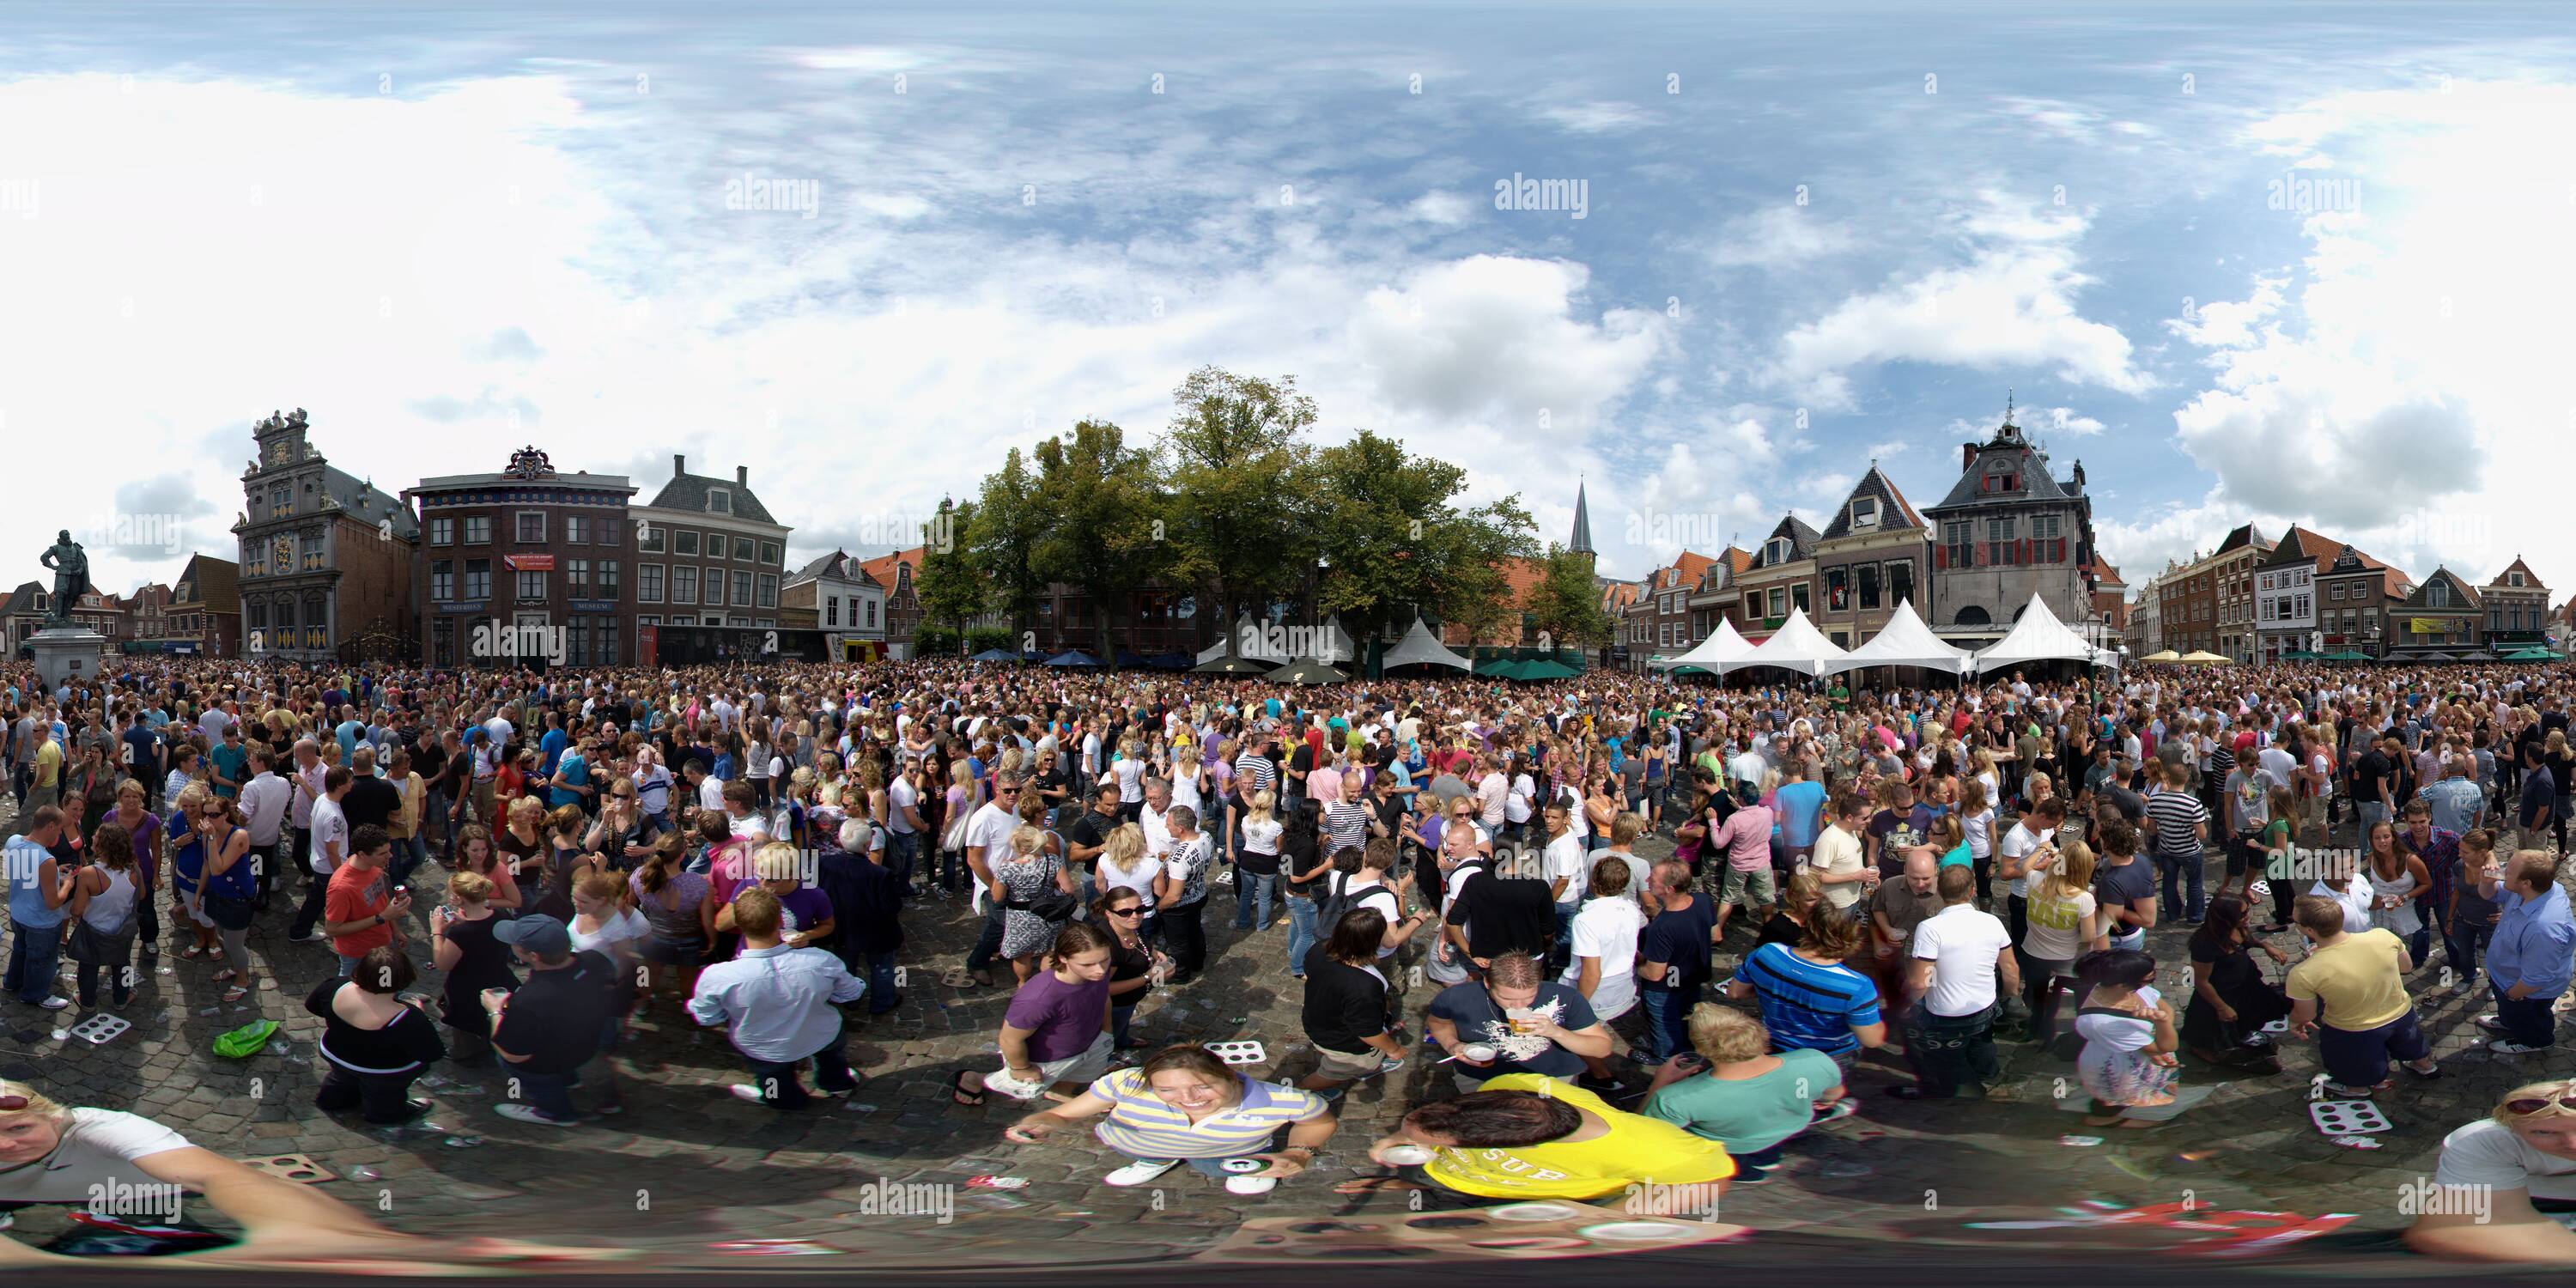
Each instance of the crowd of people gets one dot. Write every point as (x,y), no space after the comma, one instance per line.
(1447,870)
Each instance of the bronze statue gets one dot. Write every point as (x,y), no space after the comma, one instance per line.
(71,576)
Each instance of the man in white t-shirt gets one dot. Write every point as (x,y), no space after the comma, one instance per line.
(1962,958)
(1567,875)
(988,837)
(1149,818)
(330,850)
(1624,831)
(1839,860)
(2014,855)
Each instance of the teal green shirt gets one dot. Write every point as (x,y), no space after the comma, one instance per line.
(1749,1114)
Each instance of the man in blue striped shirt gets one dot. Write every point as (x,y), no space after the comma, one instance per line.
(1810,1000)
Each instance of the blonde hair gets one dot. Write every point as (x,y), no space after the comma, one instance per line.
(1262,803)
(2071,875)
(1124,848)
(1726,1035)
(1027,842)
(471,887)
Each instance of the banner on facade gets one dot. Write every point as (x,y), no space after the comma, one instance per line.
(2426,626)
(529,563)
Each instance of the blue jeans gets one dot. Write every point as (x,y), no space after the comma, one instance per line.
(881,987)
(1301,932)
(1667,1029)
(1951,1054)
(1251,888)
(35,953)
(1563,948)
(1119,1017)
(903,850)
(409,853)
(778,1083)
(548,1093)
(2528,1021)
(988,943)
(2180,871)
(2466,944)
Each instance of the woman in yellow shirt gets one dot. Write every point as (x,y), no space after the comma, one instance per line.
(1526,1136)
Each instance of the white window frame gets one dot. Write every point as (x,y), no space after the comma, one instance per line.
(519,526)
(1864,512)
(719,500)
(672,588)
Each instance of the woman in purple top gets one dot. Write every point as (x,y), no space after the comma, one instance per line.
(804,913)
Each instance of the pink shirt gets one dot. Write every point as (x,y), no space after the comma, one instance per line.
(1747,838)
(1324,785)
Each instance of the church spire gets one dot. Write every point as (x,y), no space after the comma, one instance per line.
(1582,522)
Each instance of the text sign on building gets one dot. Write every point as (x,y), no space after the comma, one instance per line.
(529,563)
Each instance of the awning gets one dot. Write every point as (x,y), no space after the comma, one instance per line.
(1904,641)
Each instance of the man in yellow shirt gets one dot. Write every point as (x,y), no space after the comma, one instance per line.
(1525,1136)
(2351,995)
(47,787)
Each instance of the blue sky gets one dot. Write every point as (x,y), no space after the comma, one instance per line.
(2284,263)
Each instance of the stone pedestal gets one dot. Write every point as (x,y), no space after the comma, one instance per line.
(68,653)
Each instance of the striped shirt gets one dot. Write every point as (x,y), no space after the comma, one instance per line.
(1255,773)
(1140,1125)
(1808,1005)
(2175,815)
(1347,822)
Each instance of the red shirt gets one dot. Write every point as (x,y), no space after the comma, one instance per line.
(357,893)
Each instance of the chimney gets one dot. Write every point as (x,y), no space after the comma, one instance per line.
(742,476)
(679,465)
(1967,456)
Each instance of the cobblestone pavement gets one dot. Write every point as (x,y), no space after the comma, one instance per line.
(687,1166)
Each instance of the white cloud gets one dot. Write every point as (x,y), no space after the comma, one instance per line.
(1445,208)
(1598,117)
(1498,341)
(897,206)
(2061,420)
(1778,236)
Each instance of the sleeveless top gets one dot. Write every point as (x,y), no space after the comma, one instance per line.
(234,882)
(112,909)
(2402,919)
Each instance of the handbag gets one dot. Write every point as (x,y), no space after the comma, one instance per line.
(1050,905)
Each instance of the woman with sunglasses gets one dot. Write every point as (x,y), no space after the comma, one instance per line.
(2504,1182)
(1131,959)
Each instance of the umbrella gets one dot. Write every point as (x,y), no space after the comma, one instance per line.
(2531,655)
(1692,670)
(2434,657)
(2166,656)
(1171,661)
(1231,666)
(1499,668)
(1130,659)
(2201,657)
(2347,655)
(1308,671)
(1073,657)
(1543,669)
(2480,656)
(994,655)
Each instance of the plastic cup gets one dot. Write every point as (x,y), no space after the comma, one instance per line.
(1406,1155)
(1477,1053)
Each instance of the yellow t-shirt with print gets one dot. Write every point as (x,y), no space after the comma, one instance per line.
(1635,1150)
(49,763)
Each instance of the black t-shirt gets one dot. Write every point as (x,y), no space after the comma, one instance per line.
(1508,914)
(2373,769)
(1300,853)
(1678,937)
(2119,887)
(556,1016)
(371,800)
(1345,1005)
(1090,830)
(1060,779)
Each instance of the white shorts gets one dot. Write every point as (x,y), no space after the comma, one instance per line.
(1084,1067)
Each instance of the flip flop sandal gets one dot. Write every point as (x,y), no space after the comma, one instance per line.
(235,994)
(192,953)
(225,974)
(958,1092)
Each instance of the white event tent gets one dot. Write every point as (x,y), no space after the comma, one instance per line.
(1420,647)
(1263,642)
(1797,646)
(1722,645)
(2040,637)
(1904,641)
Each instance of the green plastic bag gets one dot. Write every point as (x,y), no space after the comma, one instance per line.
(247,1041)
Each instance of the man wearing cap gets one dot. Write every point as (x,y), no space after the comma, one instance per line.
(554,1023)
(779,1005)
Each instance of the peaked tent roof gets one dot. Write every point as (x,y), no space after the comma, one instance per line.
(1797,645)
(1722,645)
(1420,647)
(1342,649)
(1904,641)
(2037,637)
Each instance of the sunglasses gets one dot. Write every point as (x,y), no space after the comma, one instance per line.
(2564,1104)
(11,1103)
(1127,912)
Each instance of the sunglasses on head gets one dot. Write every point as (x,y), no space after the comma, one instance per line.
(2564,1104)
(9,1103)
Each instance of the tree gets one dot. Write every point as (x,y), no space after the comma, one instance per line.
(1241,507)
(1004,541)
(1396,542)
(1103,526)
(953,590)
(1566,602)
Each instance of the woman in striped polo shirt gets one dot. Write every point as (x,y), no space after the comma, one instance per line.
(1185,1106)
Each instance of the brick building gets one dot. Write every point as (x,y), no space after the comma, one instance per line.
(708,553)
(2517,608)
(2354,593)
(1875,553)
(525,548)
(2010,528)
(1780,580)
(326,559)
(205,608)
(2441,615)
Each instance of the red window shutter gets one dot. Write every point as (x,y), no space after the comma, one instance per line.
(1940,556)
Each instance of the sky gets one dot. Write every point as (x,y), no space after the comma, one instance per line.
(2248,263)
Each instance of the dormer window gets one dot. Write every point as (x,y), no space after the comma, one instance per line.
(1776,550)
(1864,512)
(719,500)
(2514,578)
(2437,595)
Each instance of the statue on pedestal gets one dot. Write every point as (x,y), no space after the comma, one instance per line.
(71,577)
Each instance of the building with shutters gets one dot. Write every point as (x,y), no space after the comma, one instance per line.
(1874,554)
(517,562)
(2010,528)
(326,558)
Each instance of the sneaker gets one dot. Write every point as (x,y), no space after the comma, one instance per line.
(531,1114)
(1250,1185)
(2516,1048)
(55,1003)
(746,1091)
(1141,1172)
(2492,1024)
(308,937)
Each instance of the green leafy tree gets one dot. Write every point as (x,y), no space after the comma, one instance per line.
(1241,504)
(1104,528)
(953,590)
(1566,603)
(1396,540)
(1003,543)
